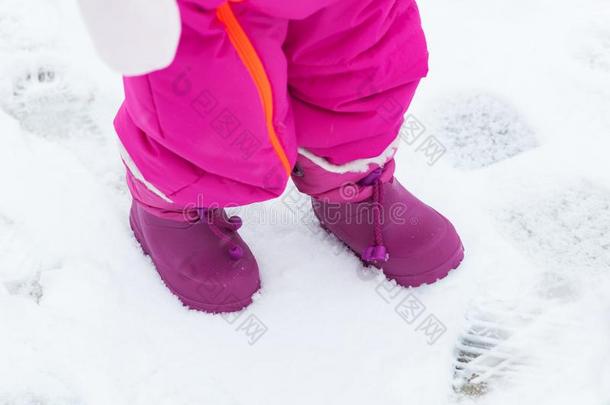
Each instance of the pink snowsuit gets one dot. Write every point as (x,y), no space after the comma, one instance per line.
(260,86)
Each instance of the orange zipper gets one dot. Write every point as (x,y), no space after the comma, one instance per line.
(252,62)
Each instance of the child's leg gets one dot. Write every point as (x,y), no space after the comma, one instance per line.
(353,70)
(215,127)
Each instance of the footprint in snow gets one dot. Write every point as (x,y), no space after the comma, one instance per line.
(483,353)
(29,288)
(565,231)
(47,98)
(506,345)
(481,130)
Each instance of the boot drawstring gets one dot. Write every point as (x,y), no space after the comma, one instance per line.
(218,221)
(376,254)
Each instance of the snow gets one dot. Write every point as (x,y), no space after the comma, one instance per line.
(517,99)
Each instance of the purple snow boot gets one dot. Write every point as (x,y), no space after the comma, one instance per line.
(202,260)
(394,231)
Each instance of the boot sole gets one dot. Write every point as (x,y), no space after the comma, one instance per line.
(430,276)
(415,280)
(234,306)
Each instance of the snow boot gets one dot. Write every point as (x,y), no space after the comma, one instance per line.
(202,260)
(394,231)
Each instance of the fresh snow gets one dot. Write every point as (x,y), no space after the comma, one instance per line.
(509,136)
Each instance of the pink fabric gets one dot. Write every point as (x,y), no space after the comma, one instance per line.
(333,187)
(276,8)
(343,73)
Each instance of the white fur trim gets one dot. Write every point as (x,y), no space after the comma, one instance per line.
(138,175)
(355,166)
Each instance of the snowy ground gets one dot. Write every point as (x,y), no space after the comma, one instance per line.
(519,98)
